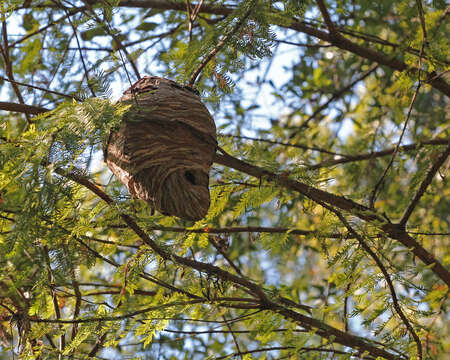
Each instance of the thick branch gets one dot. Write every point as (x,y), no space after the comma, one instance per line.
(309,191)
(165,254)
(339,41)
(22,108)
(327,331)
(367,53)
(394,231)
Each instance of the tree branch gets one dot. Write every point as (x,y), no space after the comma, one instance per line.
(115,38)
(376,154)
(40,88)
(119,317)
(335,97)
(76,311)
(395,231)
(22,108)
(98,345)
(250,229)
(165,254)
(373,195)
(322,329)
(387,277)
(340,42)
(423,186)
(8,66)
(327,18)
(74,29)
(300,350)
(225,331)
(305,189)
(299,146)
(218,47)
(228,324)
(49,25)
(62,338)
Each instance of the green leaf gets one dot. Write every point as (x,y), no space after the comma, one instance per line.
(91,33)
(147,26)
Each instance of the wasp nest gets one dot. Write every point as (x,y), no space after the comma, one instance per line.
(164,147)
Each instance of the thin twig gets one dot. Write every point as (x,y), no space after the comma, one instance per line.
(111,242)
(56,68)
(338,94)
(239,352)
(86,73)
(423,186)
(40,88)
(373,195)
(299,146)
(386,275)
(424,41)
(49,25)
(189,18)
(227,258)
(314,46)
(76,311)
(192,15)
(196,10)
(218,47)
(437,76)
(225,331)
(429,233)
(116,40)
(113,292)
(250,229)
(142,275)
(346,307)
(376,154)
(326,17)
(422,19)
(119,317)
(62,338)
